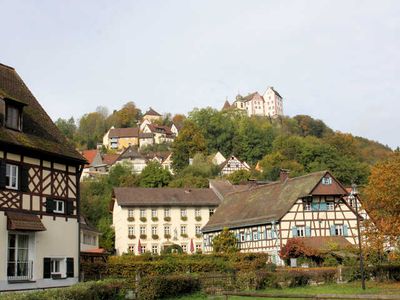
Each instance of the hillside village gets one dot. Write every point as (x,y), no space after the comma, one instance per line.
(159,183)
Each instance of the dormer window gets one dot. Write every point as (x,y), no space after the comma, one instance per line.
(327,181)
(13,116)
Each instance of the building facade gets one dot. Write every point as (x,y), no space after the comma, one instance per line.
(265,217)
(273,103)
(233,164)
(39,193)
(150,219)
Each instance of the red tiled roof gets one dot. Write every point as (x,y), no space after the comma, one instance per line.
(95,251)
(152,112)
(24,222)
(89,155)
(160,128)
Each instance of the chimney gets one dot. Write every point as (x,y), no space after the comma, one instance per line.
(283,175)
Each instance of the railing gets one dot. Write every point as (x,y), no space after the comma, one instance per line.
(20,270)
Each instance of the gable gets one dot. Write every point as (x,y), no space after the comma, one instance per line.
(328,185)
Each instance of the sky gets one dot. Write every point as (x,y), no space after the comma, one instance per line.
(338,61)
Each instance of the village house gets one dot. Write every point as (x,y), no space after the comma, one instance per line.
(152,116)
(218,159)
(233,164)
(132,157)
(150,219)
(175,128)
(263,218)
(253,104)
(90,250)
(121,138)
(39,193)
(94,166)
(162,134)
(273,103)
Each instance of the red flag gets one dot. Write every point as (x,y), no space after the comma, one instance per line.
(139,248)
(191,246)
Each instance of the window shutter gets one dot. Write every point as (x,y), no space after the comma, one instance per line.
(70,267)
(2,174)
(47,267)
(314,206)
(308,231)
(345,230)
(294,231)
(272,233)
(70,207)
(323,206)
(24,178)
(333,230)
(50,205)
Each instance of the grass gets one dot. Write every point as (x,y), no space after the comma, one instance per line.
(345,288)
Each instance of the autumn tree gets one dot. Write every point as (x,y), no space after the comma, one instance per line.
(239,176)
(382,197)
(178,119)
(127,116)
(67,127)
(225,242)
(92,127)
(189,142)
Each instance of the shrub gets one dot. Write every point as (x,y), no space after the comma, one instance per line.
(198,218)
(184,235)
(167,236)
(95,290)
(131,219)
(143,236)
(154,236)
(154,219)
(198,235)
(167,219)
(158,287)
(143,219)
(183,218)
(132,237)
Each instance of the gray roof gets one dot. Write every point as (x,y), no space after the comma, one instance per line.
(165,197)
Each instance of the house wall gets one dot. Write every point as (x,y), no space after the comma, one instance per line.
(88,246)
(233,165)
(273,103)
(47,179)
(126,142)
(121,224)
(255,106)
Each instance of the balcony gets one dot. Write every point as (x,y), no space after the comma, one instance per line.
(21,270)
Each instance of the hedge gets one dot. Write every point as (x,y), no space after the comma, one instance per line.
(100,290)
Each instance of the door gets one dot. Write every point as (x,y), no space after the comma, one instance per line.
(19,267)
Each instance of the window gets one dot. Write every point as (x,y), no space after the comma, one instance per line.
(142,230)
(198,229)
(56,266)
(154,213)
(131,213)
(197,212)
(154,230)
(301,231)
(327,181)
(183,229)
(19,266)
(13,117)
(255,236)
(142,249)
(154,249)
(167,212)
(198,247)
(183,212)
(242,239)
(142,213)
(89,239)
(131,230)
(167,230)
(339,229)
(211,211)
(330,205)
(184,248)
(59,206)
(11,176)
(131,248)
(307,206)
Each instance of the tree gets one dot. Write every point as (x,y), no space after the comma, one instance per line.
(127,116)
(189,142)
(91,129)
(67,127)
(178,119)
(239,176)
(154,175)
(225,242)
(382,197)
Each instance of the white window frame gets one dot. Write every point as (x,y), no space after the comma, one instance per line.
(12,171)
(131,230)
(143,213)
(184,248)
(131,248)
(183,212)
(57,209)
(62,266)
(142,229)
(131,213)
(255,235)
(167,229)
(198,229)
(197,212)
(327,180)
(339,230)
(301,231)
(153,230)
(211,211)
(167,212)
(330,205)
(154,249)
(183,229)
(307,206)
(143,249)
(154,213)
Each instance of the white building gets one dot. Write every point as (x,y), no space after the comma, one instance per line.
(155,218)
(39,193)
(273,103)
(233,164)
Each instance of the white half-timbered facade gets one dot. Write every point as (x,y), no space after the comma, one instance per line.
(264,218)
(233,164)
(39,193)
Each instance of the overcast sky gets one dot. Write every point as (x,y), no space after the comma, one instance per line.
(338,61)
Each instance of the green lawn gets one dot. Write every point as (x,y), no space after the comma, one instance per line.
(347,288)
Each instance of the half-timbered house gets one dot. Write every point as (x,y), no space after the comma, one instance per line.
(233,164)
(263,218)
(39,193)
